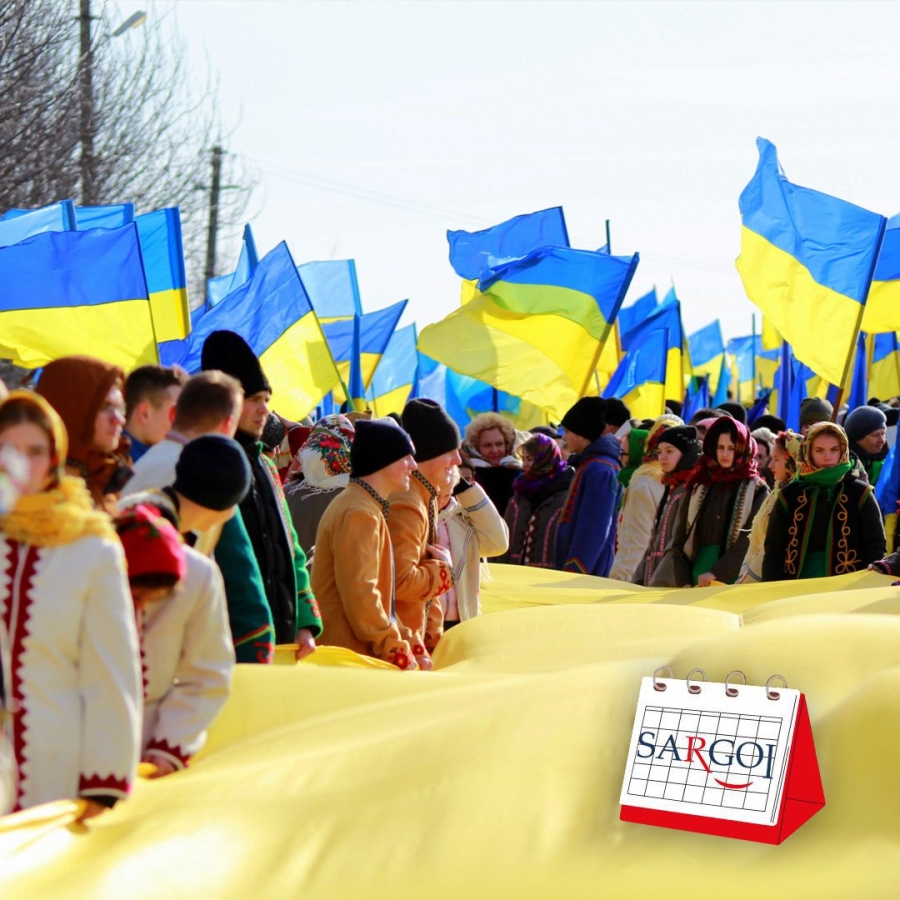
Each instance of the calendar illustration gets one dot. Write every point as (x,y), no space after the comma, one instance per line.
(721,758)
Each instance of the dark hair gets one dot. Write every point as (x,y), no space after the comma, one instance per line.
(149,383)
(706,413)
(206,401)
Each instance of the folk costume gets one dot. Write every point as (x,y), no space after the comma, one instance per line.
(714,533)
(73,666)
(412,521)
(535,508)
(637,515)
(325,459)
(282,563)
(353,572)
(826,521)
(664,564)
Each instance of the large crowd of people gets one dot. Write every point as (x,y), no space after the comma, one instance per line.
(159,528)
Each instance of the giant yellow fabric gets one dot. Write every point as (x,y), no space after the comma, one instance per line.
(498,774)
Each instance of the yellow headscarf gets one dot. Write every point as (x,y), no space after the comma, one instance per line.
(63,511)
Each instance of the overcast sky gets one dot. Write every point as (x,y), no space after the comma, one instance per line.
(373,127)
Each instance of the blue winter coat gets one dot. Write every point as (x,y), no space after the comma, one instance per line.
(586,539)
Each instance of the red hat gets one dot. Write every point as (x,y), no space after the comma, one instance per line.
(152,545)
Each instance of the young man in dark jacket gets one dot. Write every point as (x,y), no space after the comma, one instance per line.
(586,540)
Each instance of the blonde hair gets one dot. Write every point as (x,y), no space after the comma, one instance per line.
(489,421)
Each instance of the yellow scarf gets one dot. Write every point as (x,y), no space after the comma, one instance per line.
(59,515)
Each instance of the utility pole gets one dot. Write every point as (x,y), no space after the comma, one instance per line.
(86,84)
(213,210)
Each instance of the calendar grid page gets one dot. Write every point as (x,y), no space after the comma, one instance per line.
(708,754)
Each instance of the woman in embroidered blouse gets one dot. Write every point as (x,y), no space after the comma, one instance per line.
(726,493)
(826,521)
(74,664)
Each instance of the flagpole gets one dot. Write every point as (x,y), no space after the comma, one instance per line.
(862,308)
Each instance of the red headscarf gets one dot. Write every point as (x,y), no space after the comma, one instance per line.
(708,470)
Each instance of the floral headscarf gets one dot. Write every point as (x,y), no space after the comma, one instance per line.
(547,466)
(805,464)
(792,445)
(708,470)
(325,456)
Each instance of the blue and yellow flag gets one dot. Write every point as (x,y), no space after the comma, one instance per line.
(640,380)
(163,255)
(396,375)
(19,224)
(76,292)
(538,325)
(472,253)
(666,317)
(745,351)
(218,288)
(273,313)
(629,316)
(884,372)
(706,348)
(882,313)
(333,288)
(432,379)
(357,345)
(807,261)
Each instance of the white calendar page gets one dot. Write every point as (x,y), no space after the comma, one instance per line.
(708,754)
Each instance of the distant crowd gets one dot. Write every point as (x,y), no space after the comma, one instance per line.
(156,529)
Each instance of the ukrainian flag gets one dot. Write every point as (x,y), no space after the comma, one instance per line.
(357,345)
(744,350)
(19,224)
(884,373)
(333,288)
(640,380)
(76,292)
(273,313)
(222,285)
(706,349)
(882,312)
(771,339)
(163,255)
(432,379)
(629,316)
(396,375)
(807,261)
(472,253)
(538,325)
(666,317)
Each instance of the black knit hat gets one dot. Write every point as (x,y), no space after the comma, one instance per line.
(376,444)
(815,409)
(230,353)
(213,472)
(587,418)
(432,431)
(773,423)
(864,420)
(681,437)
(735,410)
(616,413)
